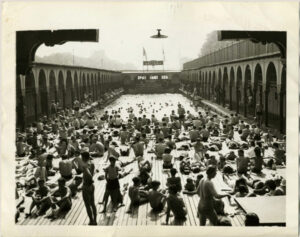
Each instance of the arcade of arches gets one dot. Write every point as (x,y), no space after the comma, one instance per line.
(46,83)
(240,87)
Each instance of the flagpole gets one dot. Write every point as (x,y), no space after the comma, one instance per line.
(143,62)
(147,62)
(163,51)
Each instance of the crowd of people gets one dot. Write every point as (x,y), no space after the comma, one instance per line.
(57,157)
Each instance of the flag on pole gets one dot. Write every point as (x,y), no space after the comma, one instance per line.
(163,52)
(144,53)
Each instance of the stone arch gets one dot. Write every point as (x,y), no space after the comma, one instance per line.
(282,110)
(213,88)
(219,86)
(102,84)
(271,97)
(83,86)
(258,86)
(206,89)
(98,85)
(88,84)
(209,85)
(248,93)
(76,87)
(232,98)
(92,86)
(43,94)
(20,120)
(30,101)
(61,90)
(69,91)
(198,82)
(204,84)
(95,86)
(52,87)
(224,91)
(239,89)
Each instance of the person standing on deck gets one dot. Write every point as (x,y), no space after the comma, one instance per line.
(112,188)
(53,109)
(76,106)
(88,188)
(242,163)
(181,114)
(207,193)
(259,114)
(258,161)
(172,116)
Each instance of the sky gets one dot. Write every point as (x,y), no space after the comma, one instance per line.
(125,29)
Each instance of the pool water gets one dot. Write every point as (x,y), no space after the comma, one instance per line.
(145,104)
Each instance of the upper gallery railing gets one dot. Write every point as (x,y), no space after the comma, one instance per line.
(238,51)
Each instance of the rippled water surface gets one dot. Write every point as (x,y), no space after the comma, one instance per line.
(158,104)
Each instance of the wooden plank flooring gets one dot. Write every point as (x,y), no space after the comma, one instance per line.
(142,215)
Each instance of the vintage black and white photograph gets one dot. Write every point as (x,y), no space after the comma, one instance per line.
(152,115)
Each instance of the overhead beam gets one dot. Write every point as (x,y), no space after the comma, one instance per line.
(264,37)
(29,41)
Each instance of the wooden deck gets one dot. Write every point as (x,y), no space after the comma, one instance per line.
(142,215)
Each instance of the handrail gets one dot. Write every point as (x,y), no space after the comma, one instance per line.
(237,51)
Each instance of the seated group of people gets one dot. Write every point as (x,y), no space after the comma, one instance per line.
(78,139)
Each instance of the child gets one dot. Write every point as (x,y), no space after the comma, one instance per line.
(173,180)
(212,161)
(112,185)
(40,199)
(242,191)
(242,163)
(251,219)
(189,187)
(22,147)
(199,177)
(74,186)
(156,198)
(137,197)
(124,134)
(199,150)
(167,159)
(160,148)
(65,167)
(61,197)
(176,205)
(170,143)
(230,156)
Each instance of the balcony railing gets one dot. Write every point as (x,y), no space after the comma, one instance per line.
(238,51)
